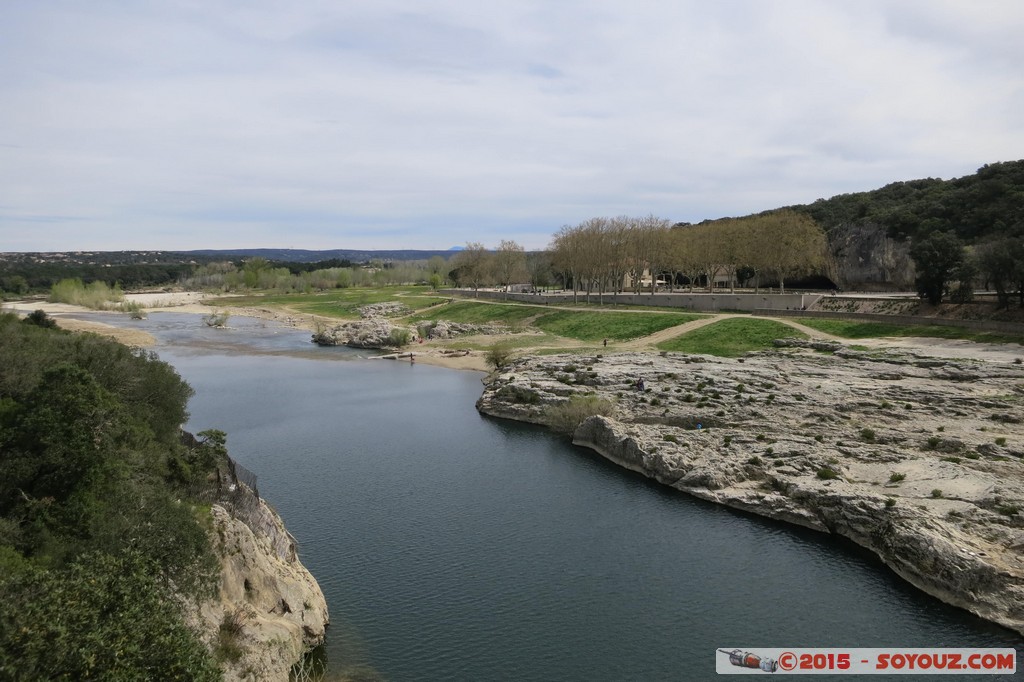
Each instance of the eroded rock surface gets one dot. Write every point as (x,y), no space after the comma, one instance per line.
(369,333)
(270,604)
(917,459)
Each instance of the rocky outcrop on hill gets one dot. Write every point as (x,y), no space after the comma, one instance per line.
(386,309)
(867,259)
(917,459)
(269,610)
(443,329)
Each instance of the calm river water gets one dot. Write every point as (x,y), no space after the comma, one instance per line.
(452,546)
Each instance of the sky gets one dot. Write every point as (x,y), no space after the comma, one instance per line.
(322,124)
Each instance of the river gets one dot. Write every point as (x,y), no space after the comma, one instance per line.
(452,546)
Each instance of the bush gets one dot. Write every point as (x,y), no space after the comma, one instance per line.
(867,434)
(399,337)
(895,477)
(567,417)
(1000,441)
(216,319)
(937,492)
(827,473)
(890,502)
(104,617)
(40,319)
(499,355)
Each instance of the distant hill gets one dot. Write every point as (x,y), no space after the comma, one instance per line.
(307,256)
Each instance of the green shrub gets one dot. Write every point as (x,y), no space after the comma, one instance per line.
(39,318)
(567,417)
(499,355)
(669,437)
(896,477)
(867,434)
(827,473)
(937,492)
(216,319)
(103,617)
(399,337)
(1000,441)
(755,460)
(890,502)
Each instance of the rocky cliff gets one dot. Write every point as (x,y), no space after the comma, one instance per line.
(269,610)
(865,258)
(917,459)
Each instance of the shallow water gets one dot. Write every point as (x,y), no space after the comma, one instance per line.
(452,546)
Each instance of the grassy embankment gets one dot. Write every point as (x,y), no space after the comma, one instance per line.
(731,337)
(850,329)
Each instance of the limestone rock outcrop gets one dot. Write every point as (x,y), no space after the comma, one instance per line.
(268,605)
(369,333)
(867,259)
(920,460)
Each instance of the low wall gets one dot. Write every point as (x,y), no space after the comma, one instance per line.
(704,302)
(979,325)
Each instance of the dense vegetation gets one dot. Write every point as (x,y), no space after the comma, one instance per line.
(25,273)
(988,204)
(98,539)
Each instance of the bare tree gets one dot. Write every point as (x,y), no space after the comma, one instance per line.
(509,264)
(474,265)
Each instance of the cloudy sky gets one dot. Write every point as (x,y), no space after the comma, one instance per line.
(179,124)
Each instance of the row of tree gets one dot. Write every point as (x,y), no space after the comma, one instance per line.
(609,255)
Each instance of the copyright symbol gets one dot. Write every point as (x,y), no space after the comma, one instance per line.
(787,660)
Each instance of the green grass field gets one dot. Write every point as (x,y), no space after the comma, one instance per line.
(732,337)
(595,326)
(849,329)
(343,303)
(469,312)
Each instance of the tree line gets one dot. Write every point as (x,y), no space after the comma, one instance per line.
(609,255)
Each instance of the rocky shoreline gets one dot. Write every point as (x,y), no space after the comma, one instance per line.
(918,459)
(267,601)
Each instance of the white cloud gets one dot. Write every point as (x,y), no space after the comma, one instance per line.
(397,124)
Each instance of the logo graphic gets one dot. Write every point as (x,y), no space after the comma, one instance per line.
(745,659)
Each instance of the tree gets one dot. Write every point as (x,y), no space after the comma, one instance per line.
(568,256)
(937,258)
(40,319)
(1002,263)
(538,265)
(509,263)
(474,265)
(791,243)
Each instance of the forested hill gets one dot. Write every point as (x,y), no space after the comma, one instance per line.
(979,207)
